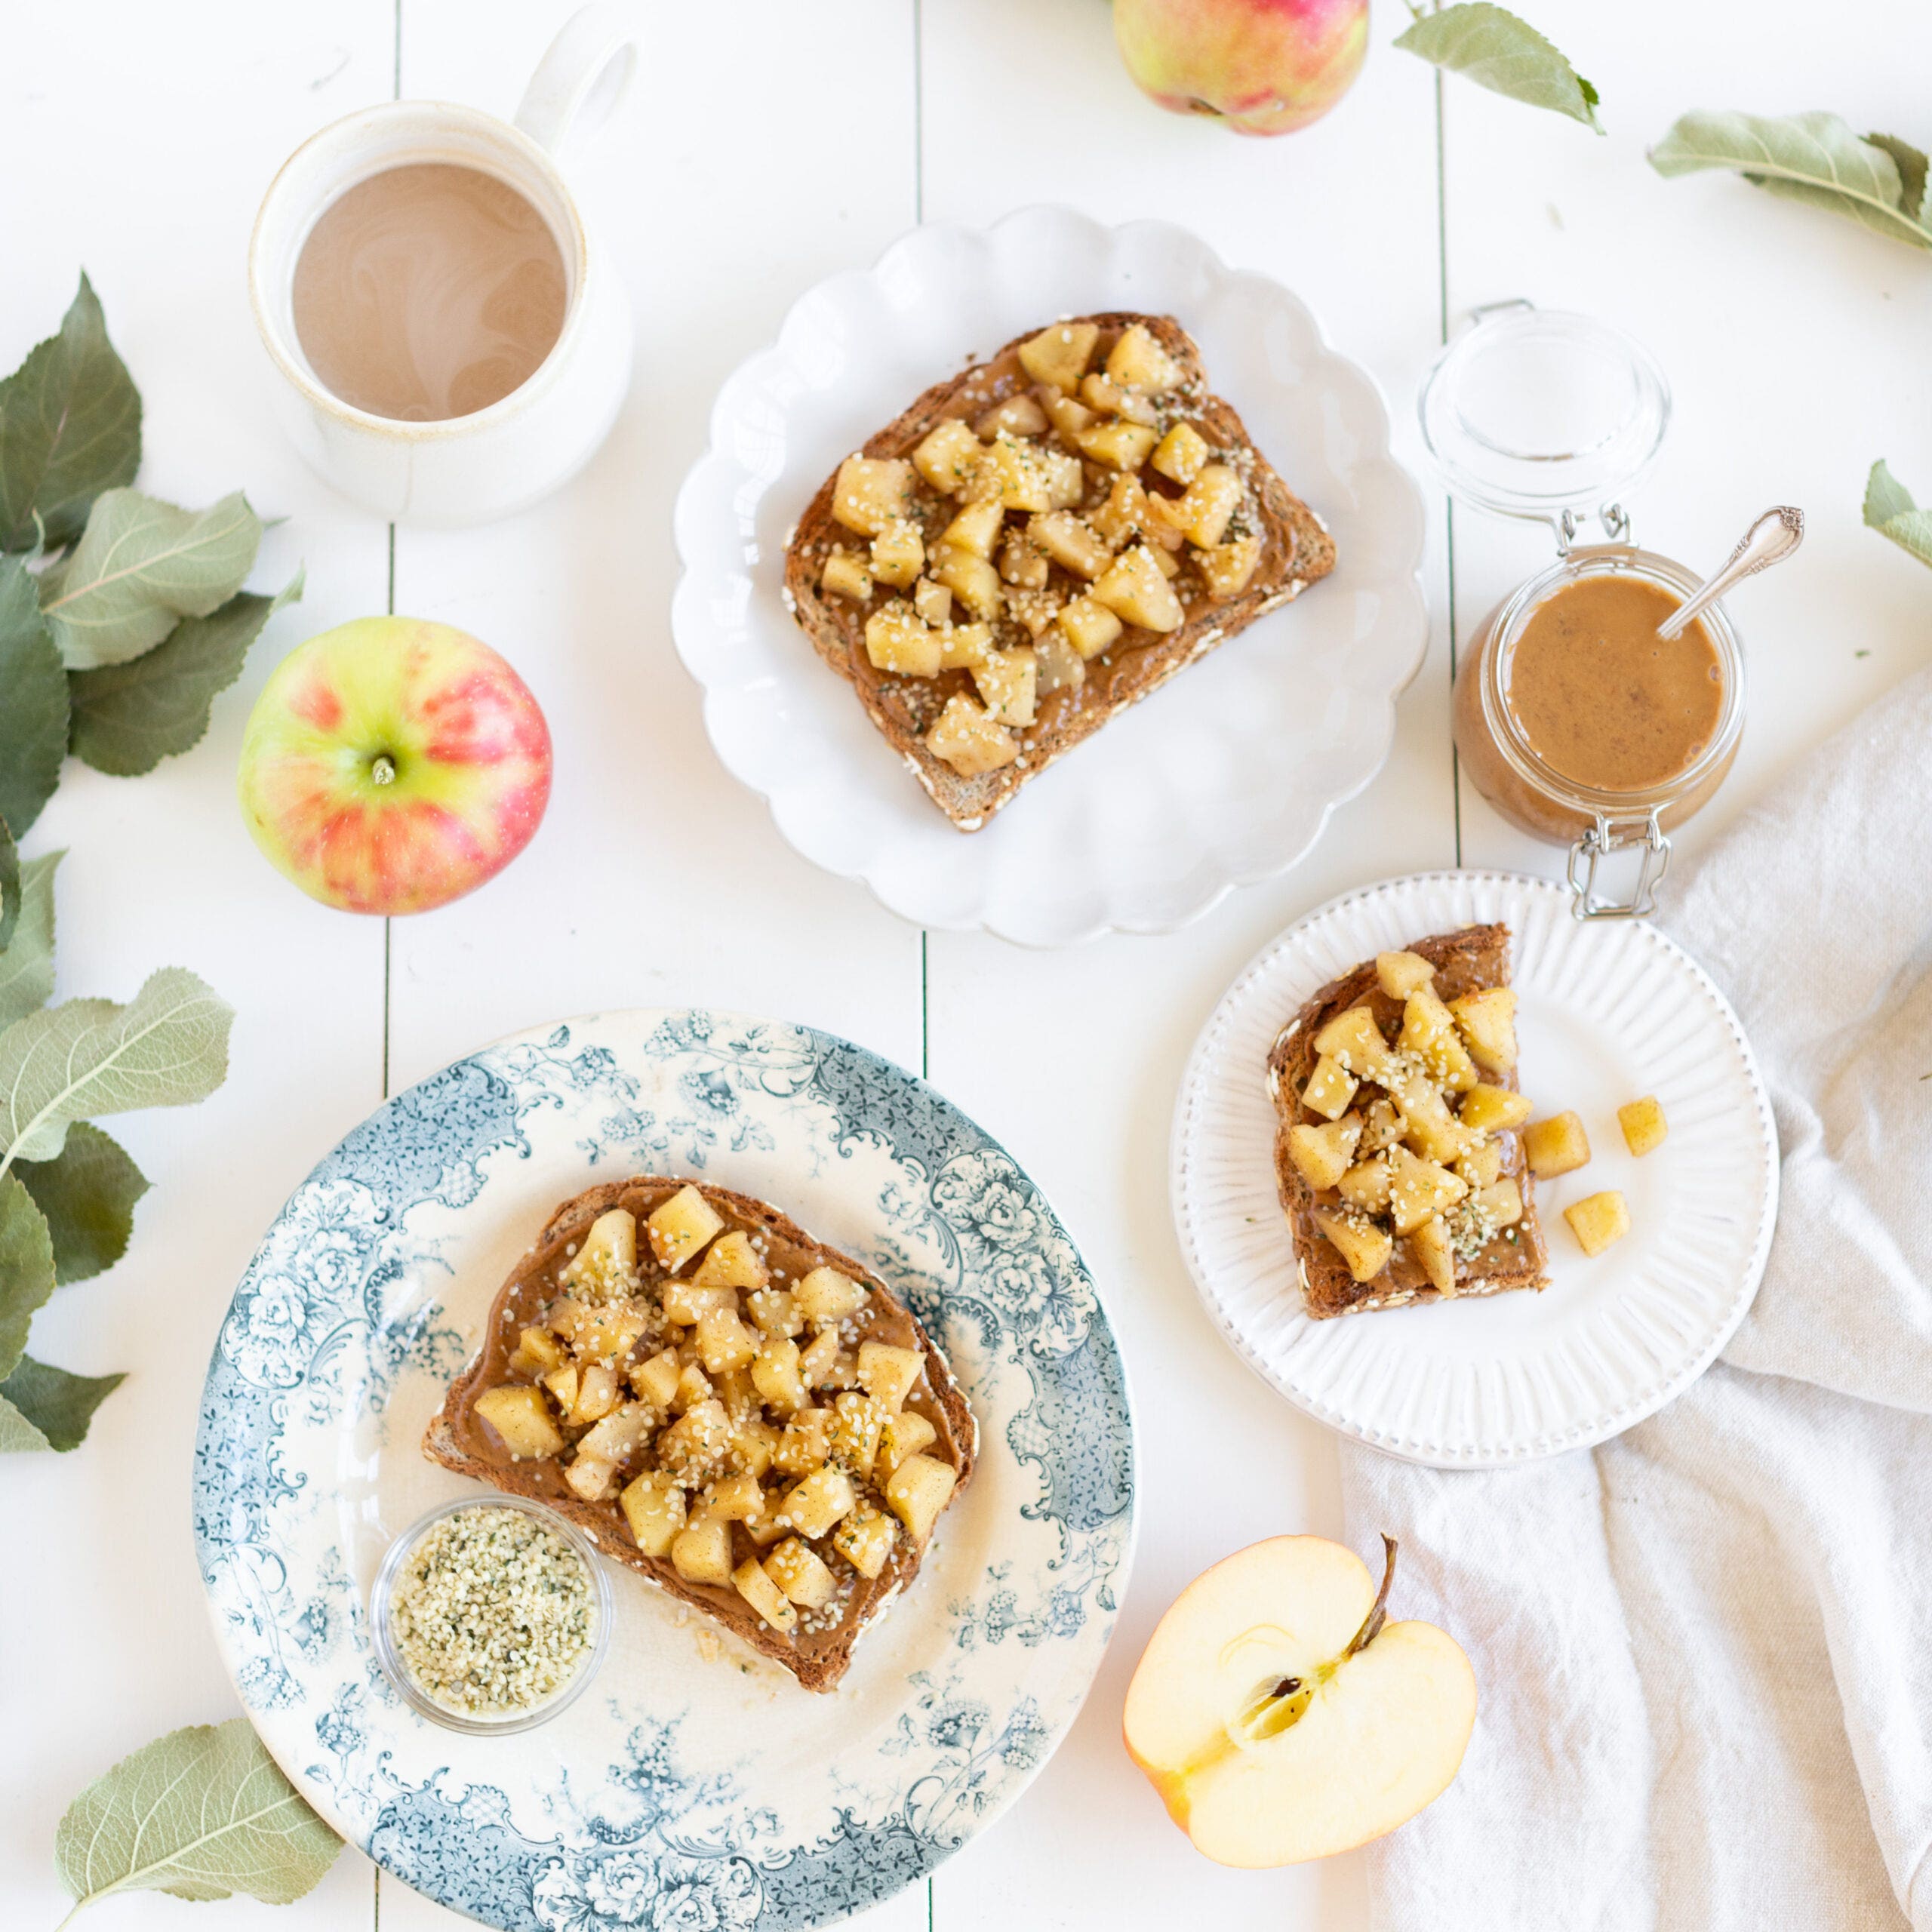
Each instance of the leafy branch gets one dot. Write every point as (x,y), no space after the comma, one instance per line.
(122,617)
(1489,45)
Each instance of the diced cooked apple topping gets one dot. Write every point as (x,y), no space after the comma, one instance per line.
(1644,1125)
(1059,355)
(1408,1141)
(1557,1145)
(517,1412)
(918,1490)
(1068,510)
(969,740)
(899,554)
(680,1227)
(1135,589)
(872,493)
(1598,1221)
(686,1400)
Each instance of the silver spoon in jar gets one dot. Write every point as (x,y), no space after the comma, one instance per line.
(1770,540)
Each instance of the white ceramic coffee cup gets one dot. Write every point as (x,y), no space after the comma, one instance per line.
(500,459)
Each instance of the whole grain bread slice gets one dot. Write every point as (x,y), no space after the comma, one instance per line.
(1297,551)
(1465,961)
(460,1441)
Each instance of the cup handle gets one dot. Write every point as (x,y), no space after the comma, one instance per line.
(579,82)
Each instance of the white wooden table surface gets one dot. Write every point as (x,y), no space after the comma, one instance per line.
(768,144)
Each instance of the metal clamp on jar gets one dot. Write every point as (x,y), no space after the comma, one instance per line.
(1551,417)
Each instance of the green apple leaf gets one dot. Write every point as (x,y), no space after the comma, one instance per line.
(140,566)
(1811,158)
(167,1047)
(26,967)
(1912,165)
(9,885)
(128,717)
(1490,46)
(18,1436)
(33,701)
(87,1192)
(26,1268)
(57,1405)
(204,1814)
(70,427)
(1890,510)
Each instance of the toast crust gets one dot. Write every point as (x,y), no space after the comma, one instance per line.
(1465,961)
(459,1440)
(1297,551)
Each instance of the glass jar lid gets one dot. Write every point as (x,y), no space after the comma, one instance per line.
(1543,414)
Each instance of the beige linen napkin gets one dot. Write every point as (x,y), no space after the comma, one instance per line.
(1705,1649)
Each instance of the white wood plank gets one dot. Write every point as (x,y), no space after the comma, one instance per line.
(1084,1101)
(655,880)
(146,148)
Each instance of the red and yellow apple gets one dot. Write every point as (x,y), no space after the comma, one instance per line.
(1281,1718)
(391,765)
(1263,66)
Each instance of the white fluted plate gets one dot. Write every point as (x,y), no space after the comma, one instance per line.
(1224,776)
(1607,1012)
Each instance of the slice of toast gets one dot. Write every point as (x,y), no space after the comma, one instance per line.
(817,1649)
(1513,1256)
(1295,551)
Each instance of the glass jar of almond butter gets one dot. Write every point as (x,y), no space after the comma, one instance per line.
(1577,722)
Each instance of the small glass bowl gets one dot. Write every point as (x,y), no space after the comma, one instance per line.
(382,1597)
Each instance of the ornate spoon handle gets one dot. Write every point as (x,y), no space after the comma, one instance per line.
(1770,540)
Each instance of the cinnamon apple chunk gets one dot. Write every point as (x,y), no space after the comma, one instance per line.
(1008,685)
(1137,590)
(918,1490)
(654,1506)
(1138,361)
(1322,1155)
(898,640)
(947,458)
(1059,355)
(1363,1247)
(518,1412)
(800,1572)
(753,1582)
(970,741)
(813,1505)
(680,1227)
(872,492)
(865,1539)
(1070,541)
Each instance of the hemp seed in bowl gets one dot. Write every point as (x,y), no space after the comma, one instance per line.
(490,1617)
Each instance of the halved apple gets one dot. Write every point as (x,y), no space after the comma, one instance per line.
(1281,1718)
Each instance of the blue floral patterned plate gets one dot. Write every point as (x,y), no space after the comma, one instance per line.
(695,1785)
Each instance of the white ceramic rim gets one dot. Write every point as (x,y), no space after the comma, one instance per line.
(714,443)
(1626,1415)
(290,362)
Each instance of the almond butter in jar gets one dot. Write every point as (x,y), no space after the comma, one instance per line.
(1581,726)
(1573,717)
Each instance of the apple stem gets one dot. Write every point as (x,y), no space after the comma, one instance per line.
(383,771)
(1371,1624)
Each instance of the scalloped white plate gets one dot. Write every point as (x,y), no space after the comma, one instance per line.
(1606,1012)
(1228,775)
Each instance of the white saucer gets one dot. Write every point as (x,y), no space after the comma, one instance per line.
(1607,1012)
